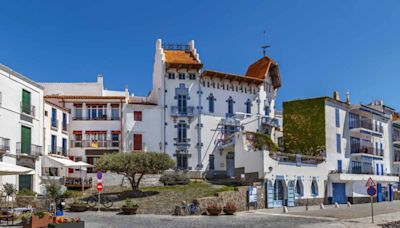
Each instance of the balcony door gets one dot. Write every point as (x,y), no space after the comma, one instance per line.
(26,102)
(25,140)
(25,182)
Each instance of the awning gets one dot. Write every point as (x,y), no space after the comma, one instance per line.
(83,164)
(11,169)
(58,162)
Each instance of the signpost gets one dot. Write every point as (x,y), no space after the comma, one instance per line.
(99,187)
(371,190)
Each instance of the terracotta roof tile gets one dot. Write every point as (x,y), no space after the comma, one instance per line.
(180,57)
(260,68)
(229,76)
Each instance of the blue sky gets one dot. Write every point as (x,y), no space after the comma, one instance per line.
(320,46)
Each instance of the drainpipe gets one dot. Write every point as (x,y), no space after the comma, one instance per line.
(164,115)
(199,146)
(122,130)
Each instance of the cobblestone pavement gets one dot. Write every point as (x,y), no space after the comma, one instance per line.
(244,219)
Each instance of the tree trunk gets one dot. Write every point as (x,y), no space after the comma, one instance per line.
(135,183)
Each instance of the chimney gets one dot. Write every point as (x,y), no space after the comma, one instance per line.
(336,95)
(348,97)
(100,78)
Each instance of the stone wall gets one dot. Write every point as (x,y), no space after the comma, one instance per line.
(238,196)
(112,179)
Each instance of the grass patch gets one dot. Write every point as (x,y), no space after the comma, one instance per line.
(203,188)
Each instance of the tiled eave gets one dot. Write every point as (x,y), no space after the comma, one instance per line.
(183,66)
(231,77)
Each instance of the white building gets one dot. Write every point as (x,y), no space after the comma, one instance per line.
(21,126)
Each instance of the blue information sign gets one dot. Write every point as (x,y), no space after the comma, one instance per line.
(371,190)
(99,175)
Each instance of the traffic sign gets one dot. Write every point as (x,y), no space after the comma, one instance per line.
(99,187)
(370,182)
(99,175)
(371,190)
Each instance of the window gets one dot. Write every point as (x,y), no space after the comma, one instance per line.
(211,162)
(338,143)
(137,142)
(217,85)
(182,161)
(192,76)
(137,115)
(377,169)
(230,106)
(356,167)
(381,149)
(46,113)
(267,109)
(314,188)
(248,106)
(97,112)
(64,121)
(92,161)
(223,86)
(354,120)
(182,132)
(382,170)
(299,188)
(53,147)
(115,138)
(339,165)
(71,170)
(96,139)
(337,117)
(25,182)
(115,112)
(182,103)
(171,76)
(54,118)
(26,102)
(211,100)
(25,140)
(208,83)
(77,138)
(64,147)
(213,84)
(78,112)
(204,83)
(376,148)
(181,76)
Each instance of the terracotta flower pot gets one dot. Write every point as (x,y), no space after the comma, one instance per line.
(229,211)
(214,211)
(37,222)
(129,210)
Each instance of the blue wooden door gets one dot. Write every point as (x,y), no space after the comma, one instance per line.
(291,194)
(379,194)
(339,193)
(269,192)
(230,164)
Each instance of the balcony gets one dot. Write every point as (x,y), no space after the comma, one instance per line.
(76,182)
(273,122)
(226,141)
(345,176)
(29,110)
(298,159)
(94,143)
(364,149)
(182,143)
(64,126)
(57,150)
(4,145)
(29,150)
(103,117)
(365,124)
(54,124)
(188,112)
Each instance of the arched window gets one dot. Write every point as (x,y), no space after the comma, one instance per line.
(211,100)
(299,188)
(248,106)
(314,188)
(181,94)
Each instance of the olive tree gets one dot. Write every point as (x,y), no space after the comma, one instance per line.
(133,165)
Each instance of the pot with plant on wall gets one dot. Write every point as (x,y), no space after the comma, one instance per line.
(78,206)
(36,219)
(230,208)
(214,209)
(129,208)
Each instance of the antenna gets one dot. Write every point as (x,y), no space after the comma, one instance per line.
(264,46)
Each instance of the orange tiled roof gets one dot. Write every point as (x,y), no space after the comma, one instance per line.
(232,77)
(175,58)
(260,68)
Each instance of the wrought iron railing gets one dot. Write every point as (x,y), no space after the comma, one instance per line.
(27,109)
(183,112)
(4,144)
(94,143)
(29,150)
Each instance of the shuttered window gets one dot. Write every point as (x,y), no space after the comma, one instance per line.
(26,102)
(25,140)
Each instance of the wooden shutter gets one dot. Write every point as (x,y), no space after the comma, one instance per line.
(25,140)
(26,102)
(137,142)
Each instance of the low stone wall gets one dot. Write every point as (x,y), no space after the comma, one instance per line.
(309,202)
(238,197)
(112,179)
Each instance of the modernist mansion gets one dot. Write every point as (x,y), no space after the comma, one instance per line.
(210,122)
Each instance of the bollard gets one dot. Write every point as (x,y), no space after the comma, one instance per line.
(348,204)
(285,209)
(336,205)
(322,207)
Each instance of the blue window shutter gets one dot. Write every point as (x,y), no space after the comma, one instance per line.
(339,164)
(382,173)
(337,117)
(338,143)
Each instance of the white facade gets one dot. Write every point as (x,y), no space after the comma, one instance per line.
(21,116)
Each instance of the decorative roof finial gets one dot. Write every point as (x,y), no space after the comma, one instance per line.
(348,97)
(264,47)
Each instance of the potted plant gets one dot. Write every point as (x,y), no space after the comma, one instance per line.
(230,208)
(129,208)
(78,206)
(62,222)
(214,209)
(36,219)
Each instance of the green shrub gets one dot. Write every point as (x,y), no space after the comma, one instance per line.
(174,179)
(129,203)
(26,192)
(71,194)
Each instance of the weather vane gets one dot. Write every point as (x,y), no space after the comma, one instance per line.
(264,47)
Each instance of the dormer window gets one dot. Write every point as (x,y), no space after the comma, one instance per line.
(182,76)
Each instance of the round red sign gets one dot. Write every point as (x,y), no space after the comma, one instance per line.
(99,187)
